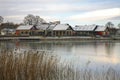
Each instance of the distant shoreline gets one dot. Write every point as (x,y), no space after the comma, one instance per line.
(57,38)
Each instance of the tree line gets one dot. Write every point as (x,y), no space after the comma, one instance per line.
(34,20)
(28,20)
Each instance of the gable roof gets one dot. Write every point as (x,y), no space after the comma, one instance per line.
(84,28)
(42,26)
(8,29)
(51,27)
(28,27)
(61,27)
(100,28)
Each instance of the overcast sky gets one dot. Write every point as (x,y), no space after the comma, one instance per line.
(67,11)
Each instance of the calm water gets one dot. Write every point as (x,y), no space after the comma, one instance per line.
(93,54)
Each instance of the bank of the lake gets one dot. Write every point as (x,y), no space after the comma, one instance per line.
(56,38)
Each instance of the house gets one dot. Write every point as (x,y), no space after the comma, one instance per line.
(25,30)
(84,30)
(102,31)
(8,31)
(62,30)
(112,31)
(42,29)
(118,32)
(50,29)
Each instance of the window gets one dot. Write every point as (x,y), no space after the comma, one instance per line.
(26,32)
(22,32)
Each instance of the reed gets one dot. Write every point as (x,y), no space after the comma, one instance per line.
(42,66)
(27,66)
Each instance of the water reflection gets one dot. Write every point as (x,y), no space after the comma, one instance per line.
(93,60)
(93,48)
(88,53)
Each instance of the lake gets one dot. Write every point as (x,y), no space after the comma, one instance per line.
(82,54)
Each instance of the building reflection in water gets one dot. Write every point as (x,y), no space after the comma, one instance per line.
(87,51)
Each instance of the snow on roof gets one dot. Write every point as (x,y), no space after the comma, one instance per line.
(84,28)
(43,26)
(61,27)
(8,29)
(28,27)
(51,27)
(100,28)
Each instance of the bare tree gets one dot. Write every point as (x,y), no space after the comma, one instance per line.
(110,25)
(29,20)
(33,20)
(39,20)
(1,19)
(119,25)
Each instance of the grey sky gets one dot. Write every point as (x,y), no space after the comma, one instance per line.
(67,11)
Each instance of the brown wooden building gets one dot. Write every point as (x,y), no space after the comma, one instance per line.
(42,29)
(63,30)
(84,30)
(25,30)
(102,31)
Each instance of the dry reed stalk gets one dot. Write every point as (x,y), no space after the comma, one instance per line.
(42,66)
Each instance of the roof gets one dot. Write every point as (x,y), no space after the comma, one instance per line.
(8,29)
(42,26)
(28,27)
(61,27)
(84,28)
(51,27)
(100,28)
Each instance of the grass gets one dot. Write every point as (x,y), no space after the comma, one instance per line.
(27,66)
(41,66)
